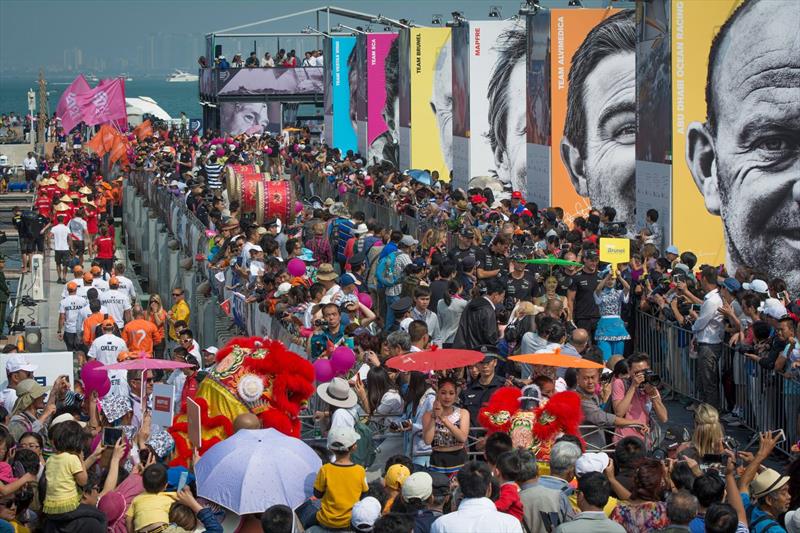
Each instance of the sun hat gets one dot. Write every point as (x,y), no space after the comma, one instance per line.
(591,462)
(365,513)
(342,438)
(115,407)
(766,482)
(418,485)
(395,476)
(28,390)
(66,417)
(757,285)
(325,272)
(337,392)
(360,229)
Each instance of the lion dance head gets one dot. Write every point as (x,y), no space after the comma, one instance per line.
(252,374)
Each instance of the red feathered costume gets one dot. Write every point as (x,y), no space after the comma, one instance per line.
(252,374)
(534,430)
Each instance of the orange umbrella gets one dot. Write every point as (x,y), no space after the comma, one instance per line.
(555,358)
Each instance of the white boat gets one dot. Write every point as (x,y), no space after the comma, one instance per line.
(91,78)
(182,76)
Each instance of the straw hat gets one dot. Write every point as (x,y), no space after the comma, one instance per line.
(338,393)
(85,190)
(28,390)
(325,272)
(766,482)
(61,207)
(65,198)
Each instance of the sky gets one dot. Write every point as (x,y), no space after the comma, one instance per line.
(161,35)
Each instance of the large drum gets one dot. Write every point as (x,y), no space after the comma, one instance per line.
(275,199)
(233,179)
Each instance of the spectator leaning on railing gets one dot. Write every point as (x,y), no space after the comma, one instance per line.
(709,330)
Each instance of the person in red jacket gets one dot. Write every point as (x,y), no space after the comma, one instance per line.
(104,244)
(507,472)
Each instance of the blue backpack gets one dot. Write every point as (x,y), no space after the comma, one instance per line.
(385,272)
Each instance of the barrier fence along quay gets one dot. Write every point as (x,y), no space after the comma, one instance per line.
(765,399)
(171,245)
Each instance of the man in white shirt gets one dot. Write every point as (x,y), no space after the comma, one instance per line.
(77,271)
(18,368)
(31,167)
(117,303)
(98,282)
(709,332)
(106,349)
(60,236)
(125,284)
(68,312)
(78,229)
(476,513)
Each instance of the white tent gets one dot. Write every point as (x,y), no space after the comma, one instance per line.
(136,107)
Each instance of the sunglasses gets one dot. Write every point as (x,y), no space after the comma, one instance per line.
(177,294)
(8,504)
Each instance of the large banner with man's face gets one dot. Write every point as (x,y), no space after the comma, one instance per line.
(358,78)
(654,115)
(593,84)
(344,124)
(382,101)
(538,109)
(497,51)
(252,118)
(461,105)
(404,99)
(736,105)
(431,100)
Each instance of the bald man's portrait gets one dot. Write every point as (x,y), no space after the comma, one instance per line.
(442,101)
(745,157)
(599,144)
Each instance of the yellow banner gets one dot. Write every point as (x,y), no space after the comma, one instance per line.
(430,68)
(694,25)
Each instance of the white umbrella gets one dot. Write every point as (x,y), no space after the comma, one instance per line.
(256,469)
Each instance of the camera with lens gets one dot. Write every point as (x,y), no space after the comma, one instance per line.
(606,377)
(324,324)
(651,378)
(614,229)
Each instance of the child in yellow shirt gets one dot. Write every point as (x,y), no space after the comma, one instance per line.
(340,484)
(66,470)
(151,508)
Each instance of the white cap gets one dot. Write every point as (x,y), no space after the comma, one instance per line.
(773,308)
(283,288)
(19,362)
(417,485)
(341,438)
(365,513)
(211,349)
(66,417)
(757,285)
(591,462)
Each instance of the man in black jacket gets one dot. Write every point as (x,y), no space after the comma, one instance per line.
(478,324)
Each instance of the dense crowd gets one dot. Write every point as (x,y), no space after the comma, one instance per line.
(401,451)
(282,58)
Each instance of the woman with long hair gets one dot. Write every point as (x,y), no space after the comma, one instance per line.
(156,314)
(381,400)
(708,431)
(646,510)
(449,310)
(446,428)
(550,288)
(419,400)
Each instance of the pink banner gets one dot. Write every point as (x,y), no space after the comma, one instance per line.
(378,45)
(68,109)
(105,103)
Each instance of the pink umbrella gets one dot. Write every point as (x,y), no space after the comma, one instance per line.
(146,364)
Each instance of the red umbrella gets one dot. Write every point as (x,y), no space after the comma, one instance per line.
(431,360)
(555,358)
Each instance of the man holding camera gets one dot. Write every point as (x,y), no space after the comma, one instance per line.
(328,332)
(593,414)
(637,398)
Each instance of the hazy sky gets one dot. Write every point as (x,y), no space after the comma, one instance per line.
(37,32)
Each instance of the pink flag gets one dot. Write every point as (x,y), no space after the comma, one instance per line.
(69,110)
(104,103)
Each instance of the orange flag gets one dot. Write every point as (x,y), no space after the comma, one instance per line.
(119,149)
(96,143)
(143,130)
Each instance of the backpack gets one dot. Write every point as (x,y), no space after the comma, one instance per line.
(385,272)
(763,518)
(366,450)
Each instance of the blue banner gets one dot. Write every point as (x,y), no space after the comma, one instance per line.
(344,126)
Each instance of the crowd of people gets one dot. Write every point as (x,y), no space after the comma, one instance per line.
(401,451)
(282,58)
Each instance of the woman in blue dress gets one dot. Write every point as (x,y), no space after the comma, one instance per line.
(611,334)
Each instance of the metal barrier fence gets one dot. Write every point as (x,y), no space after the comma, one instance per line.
(159,227)
(765,399)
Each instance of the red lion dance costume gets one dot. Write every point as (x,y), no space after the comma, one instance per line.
(533,430)
(255,375)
